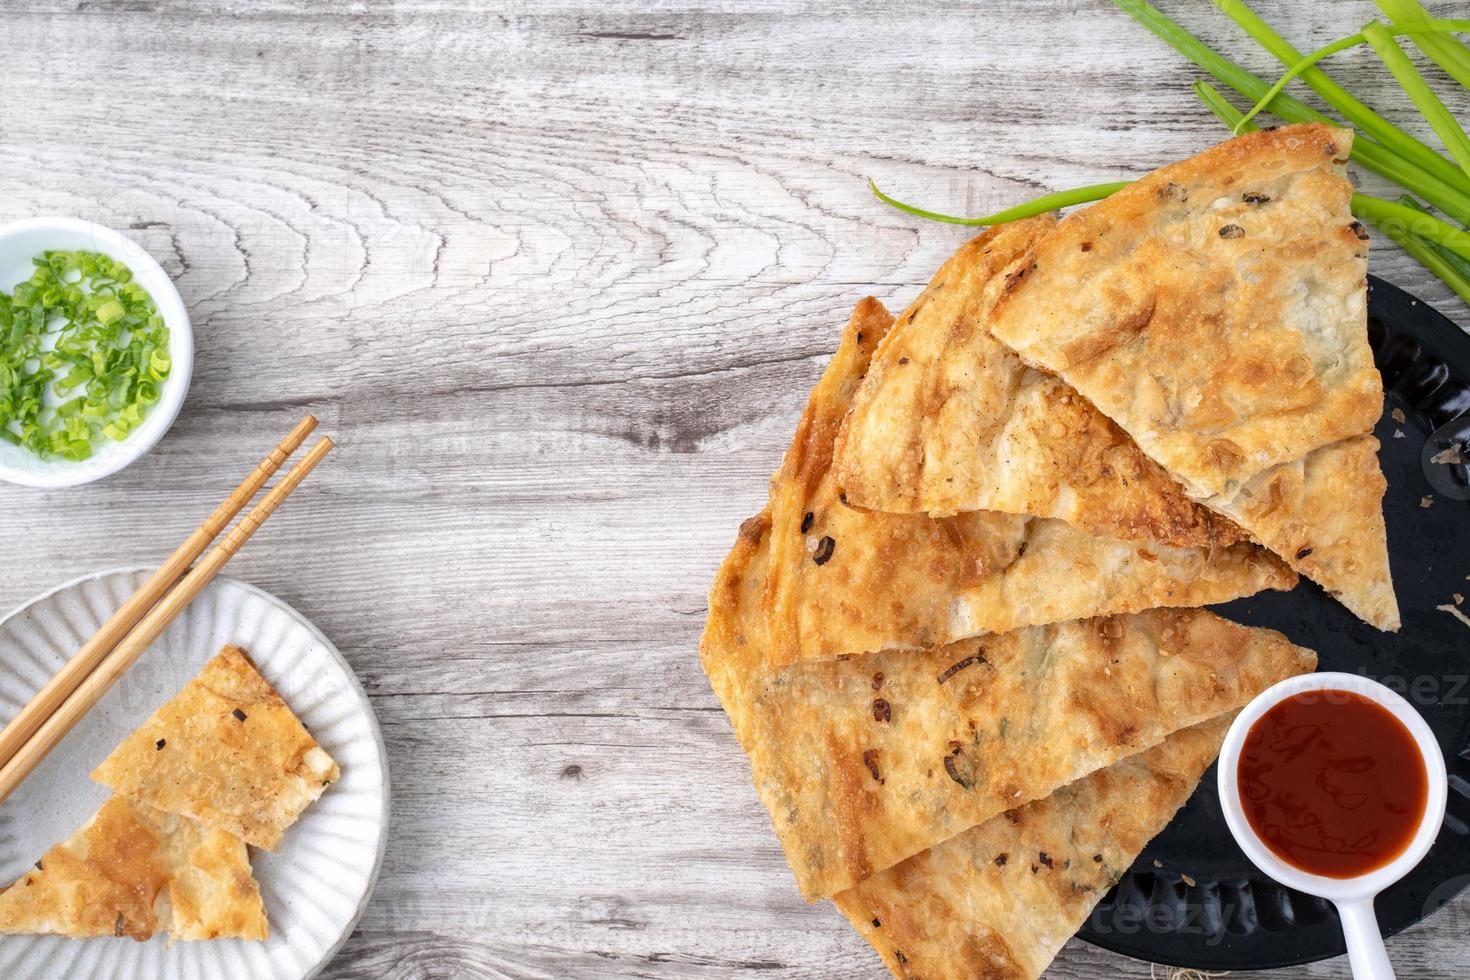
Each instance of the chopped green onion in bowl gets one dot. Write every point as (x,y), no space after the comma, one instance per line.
(83,354)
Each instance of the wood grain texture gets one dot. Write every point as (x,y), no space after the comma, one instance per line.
(558,276)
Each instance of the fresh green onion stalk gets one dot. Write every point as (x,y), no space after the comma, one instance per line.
(1380,146)
(1040,205)
(1461,265)
(1419,92)
(1444,51)
(1354,111)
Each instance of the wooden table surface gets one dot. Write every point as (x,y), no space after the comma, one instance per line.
(558,277)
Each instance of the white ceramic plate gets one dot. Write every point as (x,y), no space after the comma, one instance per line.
(314,887)
(21,241)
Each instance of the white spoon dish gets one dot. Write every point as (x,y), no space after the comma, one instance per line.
(1353,896)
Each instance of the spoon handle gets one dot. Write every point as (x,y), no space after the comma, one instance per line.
(1366,954)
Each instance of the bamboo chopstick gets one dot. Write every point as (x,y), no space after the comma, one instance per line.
(55,726)
(85,660)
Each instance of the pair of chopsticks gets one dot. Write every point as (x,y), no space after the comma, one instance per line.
(92,671)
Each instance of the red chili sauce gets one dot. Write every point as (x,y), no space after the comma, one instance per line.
(1333,783)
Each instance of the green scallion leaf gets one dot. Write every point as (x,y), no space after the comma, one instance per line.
(1418,90)
(1444,51)
(1460,264)
(1392,214)
(1426,254)
(1352,109)
(1223,109)
(1446,195)
(1351,41)
(1040,205)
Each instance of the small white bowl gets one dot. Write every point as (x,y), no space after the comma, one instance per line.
(21,241)
(1352,896)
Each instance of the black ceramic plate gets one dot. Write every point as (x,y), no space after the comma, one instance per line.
(1193,899)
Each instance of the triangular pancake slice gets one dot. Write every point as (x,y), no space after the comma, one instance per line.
(843,580)
(1001,899)
(1217,311)
(133,870)
(865,760)
(1324,514)
(227,751)
(950,420)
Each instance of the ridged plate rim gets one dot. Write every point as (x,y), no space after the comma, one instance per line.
(121,958)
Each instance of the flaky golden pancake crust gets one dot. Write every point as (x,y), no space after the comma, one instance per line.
(133,870)
(227,751)
(865,760)
(1324,514)
(1217,311)
(998,901)
(844,580)
(949,420)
